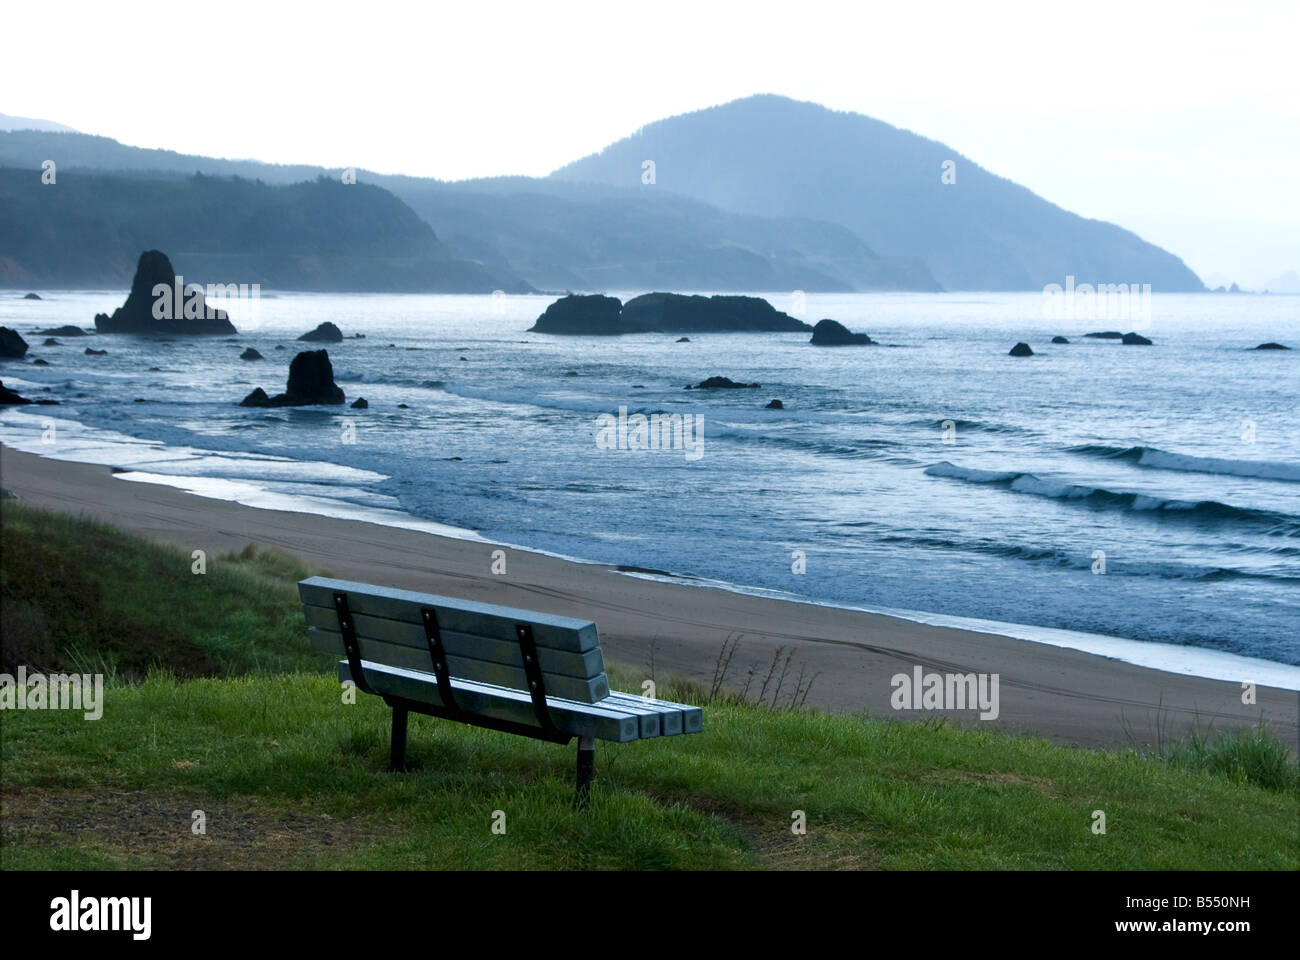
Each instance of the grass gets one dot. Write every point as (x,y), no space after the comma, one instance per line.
(287,774)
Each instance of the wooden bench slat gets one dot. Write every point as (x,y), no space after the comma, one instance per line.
(579,719)
(584,666)
(461,668)
(670,715)
(461,616)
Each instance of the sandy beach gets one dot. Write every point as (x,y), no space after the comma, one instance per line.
(1066,695)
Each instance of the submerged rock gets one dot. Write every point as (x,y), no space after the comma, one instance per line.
(51,342)
(170,310)
(683,340)
(65,331)
(38,362)
(32,296)
(325,333)
(1106,335)
(1135,340)
(832,333)
(1060,339)
(1272,346)
(774,405)
(12,345)
(1021,349)
(92,352)
(722,383)
(311,383)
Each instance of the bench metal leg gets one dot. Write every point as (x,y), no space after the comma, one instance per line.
(586,770)
(397,755)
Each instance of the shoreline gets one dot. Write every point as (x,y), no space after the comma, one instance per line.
(117,451)
(1065,694)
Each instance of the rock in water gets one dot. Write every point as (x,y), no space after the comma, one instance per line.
(1106,335)
(250,354)
(679,313)
(775,405)
(325,333)
(1135,340)
(1060,339)
(360,404)
(51,342)
(311,383)
(683,339)
(1272,346)
(9,398)
(91,352)
(723,383)
(830,333)
(67,331)
(581,315)
(169,311)
(12,345)
(32,296)
(1021,350)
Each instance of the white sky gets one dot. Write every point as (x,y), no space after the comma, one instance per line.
(1180,119)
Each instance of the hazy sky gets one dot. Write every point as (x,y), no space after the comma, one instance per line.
(1179,120)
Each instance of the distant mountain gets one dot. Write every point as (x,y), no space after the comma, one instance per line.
(1288,282)
(770,156)
(556,235)
(30,123)
(87,229)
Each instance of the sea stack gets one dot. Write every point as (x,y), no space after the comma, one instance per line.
(831,333)
(325,333)
(311,383)
(12,345)
(158,303)
(578,314)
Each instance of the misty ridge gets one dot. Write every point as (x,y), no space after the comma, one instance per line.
(763,193)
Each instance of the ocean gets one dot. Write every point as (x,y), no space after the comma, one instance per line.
(1150,494)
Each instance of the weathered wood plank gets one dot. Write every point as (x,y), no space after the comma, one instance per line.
(461,668)
(579,719)
(461,616)
(584,666)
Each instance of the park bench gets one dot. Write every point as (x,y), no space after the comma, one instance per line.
(517,671)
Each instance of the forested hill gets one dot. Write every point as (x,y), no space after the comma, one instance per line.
(87,229)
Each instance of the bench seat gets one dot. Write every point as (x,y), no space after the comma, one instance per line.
(620,718)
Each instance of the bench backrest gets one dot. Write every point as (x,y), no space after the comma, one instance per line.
(480,639)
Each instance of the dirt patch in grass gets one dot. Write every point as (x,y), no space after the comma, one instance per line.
(1002,778)
(153,829)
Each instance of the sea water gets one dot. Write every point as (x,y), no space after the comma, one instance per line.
(1145,493)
